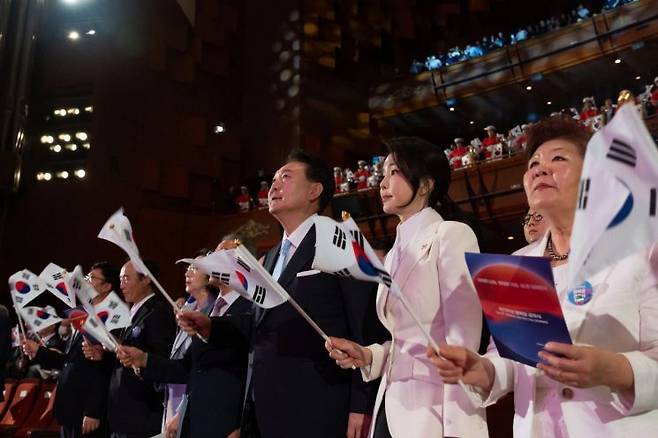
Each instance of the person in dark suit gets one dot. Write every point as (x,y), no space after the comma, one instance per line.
(134,407)
(214,375)
(293,388)
(5,346)
(81,396)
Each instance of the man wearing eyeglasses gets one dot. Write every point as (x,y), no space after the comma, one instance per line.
(534,226)
(81,396)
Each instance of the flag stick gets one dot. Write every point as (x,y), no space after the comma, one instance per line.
(244,253)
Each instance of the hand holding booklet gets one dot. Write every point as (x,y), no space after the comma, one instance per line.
(520,304)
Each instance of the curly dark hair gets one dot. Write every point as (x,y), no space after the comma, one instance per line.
(557,127)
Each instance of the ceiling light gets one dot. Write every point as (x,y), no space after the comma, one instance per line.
(73,35)
(472,122)
(80,173)
(57,148)
(617,61)
(64,137)
(86,145)
(91,32)
(529,87)
(219,128)
(46,176)
(72,147)
(510,237)
(452,108)
(637,78)
(81,136)
(549,103)
(89,109)
(63,174)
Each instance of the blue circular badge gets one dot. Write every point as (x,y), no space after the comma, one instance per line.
(581,294)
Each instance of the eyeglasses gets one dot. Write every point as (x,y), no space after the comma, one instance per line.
(90,277)
(192,269)
(531,216)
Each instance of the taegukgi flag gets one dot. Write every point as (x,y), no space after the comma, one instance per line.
(91,323)
(55,278)
(38,318)
(113,312)
(118,230)
(25,286)
(233,270)
(617,206)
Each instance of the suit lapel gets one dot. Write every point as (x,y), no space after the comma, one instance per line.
(417,247)
(141,315)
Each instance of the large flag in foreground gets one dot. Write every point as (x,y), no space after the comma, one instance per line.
(113,312)
(617,202)
(55,278)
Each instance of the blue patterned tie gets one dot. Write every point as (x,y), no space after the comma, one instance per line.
(282,260)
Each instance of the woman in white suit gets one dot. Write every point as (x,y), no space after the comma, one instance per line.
(606,383)
(427,262)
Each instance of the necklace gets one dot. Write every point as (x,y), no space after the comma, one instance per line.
(551,252)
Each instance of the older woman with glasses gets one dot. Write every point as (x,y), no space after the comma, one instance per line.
(534,226)
(606,383)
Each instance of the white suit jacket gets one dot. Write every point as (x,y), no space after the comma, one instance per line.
(621,316)
(433,276)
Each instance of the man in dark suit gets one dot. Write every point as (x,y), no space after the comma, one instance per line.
(214,375)
(134,408)
(81,396)
(293,388)
(5,346)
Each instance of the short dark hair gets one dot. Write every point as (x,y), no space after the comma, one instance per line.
(317,171)
(153,268)
(419,159)
(557,127)
(110,274)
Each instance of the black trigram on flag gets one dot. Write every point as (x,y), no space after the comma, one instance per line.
(126,233)
(386,278)
(113,305)
(115,319)
(76,285)
(584,193)
(343,273)
(652,202)
(244,264)
(358,236)
(622,152)
(259,295)
(339,238)
(223,277)
(25,276)
(57,276)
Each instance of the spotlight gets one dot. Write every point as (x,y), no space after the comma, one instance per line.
(510,237)
(57,148)
(63,174)
(44,139)
(89,109)
(91,32)
(549,103)
(452,108)
(73,35)
(637,78)
(472,122)
(70,2)
(72,147)
(73,111)
(86,145)
(528,87)
(46,176)
(81,136)
(64,137)
(219,129)
(617,61)
(80,173)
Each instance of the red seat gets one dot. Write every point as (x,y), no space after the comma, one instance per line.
(21,405)
(41,416)
(10,387)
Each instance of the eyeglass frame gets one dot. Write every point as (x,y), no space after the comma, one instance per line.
(534,216)
(90,277)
